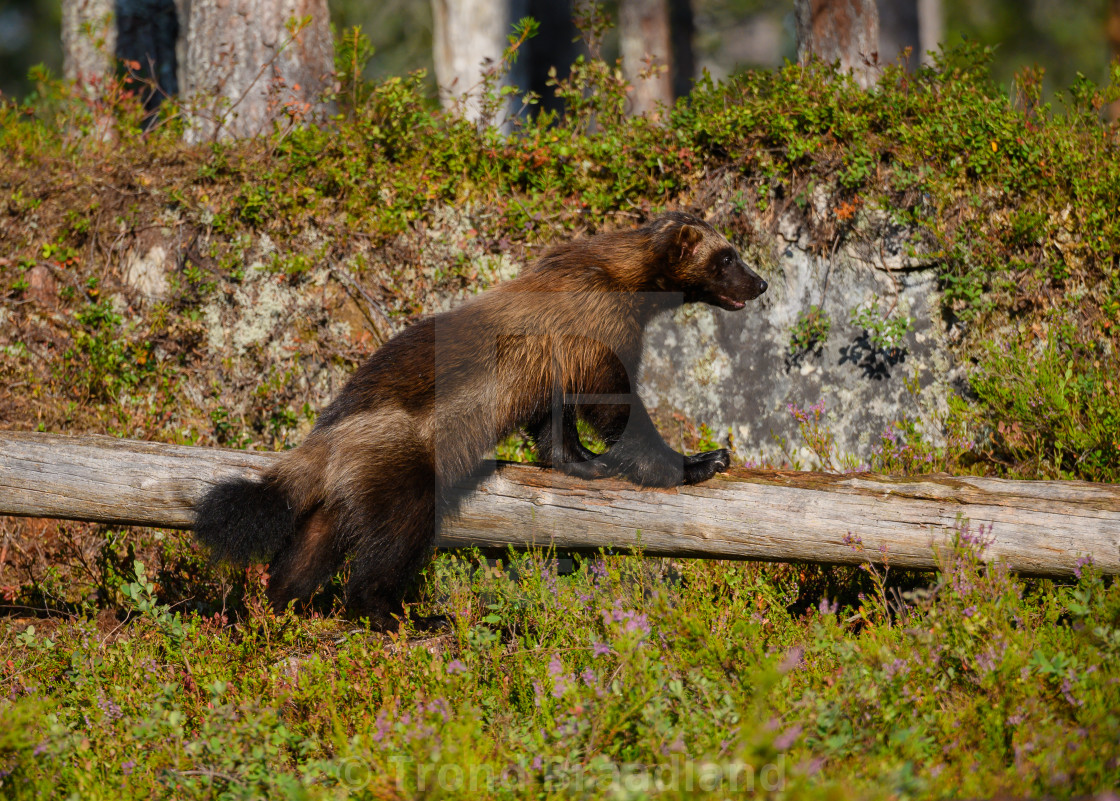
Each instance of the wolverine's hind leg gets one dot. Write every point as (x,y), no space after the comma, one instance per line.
(310,558)
(392,535)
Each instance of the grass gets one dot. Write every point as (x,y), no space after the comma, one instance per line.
(631,676)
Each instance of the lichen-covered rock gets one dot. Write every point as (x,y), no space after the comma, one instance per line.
(739,372)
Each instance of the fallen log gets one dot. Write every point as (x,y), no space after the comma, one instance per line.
(1040,528)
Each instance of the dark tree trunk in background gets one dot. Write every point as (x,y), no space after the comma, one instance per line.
(682,29)
(468,36)
(899,29)
(147,31)
(909,23)
(556,45)
(1112,31)
(98,36)
(844,31)
(244,69)
(102,38)
(1112,28)
(643,32)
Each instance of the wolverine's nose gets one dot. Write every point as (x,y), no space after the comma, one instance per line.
(762,286)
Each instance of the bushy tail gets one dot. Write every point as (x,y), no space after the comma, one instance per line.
(244,521)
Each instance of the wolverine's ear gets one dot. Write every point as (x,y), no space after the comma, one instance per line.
(688,237)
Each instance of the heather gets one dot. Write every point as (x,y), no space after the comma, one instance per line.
(639,677)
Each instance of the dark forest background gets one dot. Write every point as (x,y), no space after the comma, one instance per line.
(1063,38)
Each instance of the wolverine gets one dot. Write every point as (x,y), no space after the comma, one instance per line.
(403,441)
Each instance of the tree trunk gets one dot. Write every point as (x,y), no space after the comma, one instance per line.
(844,31)
(147,32)
(99,35)
(931,27)
(1112,32)
(1042,528)
(682,30)
(644,42)
(909,23)
(246,68)
(899,28)
(1112,29)
(89,40)
(557,45)
(468,39)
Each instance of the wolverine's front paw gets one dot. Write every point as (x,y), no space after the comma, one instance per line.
(702,466)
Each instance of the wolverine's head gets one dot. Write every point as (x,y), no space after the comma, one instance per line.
(701,264)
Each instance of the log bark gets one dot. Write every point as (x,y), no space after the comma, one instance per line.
(1037,527)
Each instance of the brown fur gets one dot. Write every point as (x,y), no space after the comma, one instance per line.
(410,430)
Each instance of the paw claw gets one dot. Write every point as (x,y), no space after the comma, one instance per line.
(702,466)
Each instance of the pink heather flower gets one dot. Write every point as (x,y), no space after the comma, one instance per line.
(561,680)
(456,666)
(787,738)
(792,659)
(895,668)
(1067,692)
(637,623)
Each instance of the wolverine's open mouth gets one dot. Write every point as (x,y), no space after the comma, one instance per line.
(731,304)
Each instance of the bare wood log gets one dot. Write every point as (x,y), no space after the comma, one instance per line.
(1037,527)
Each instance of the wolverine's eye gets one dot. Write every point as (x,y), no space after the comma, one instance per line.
(726,260)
